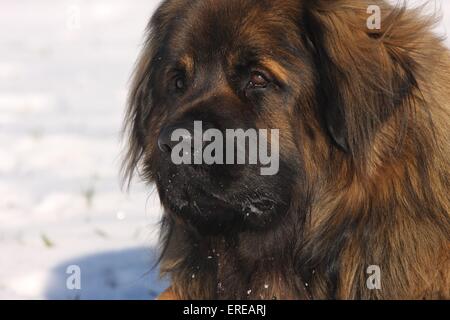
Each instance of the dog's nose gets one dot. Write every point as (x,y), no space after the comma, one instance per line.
(165,141)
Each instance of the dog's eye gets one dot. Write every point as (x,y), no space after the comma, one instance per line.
(180,83)
(257,80)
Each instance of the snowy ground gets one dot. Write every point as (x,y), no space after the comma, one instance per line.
(64,68)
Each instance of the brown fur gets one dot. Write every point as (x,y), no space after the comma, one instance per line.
(375,192)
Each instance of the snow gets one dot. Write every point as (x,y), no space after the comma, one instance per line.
(64,72)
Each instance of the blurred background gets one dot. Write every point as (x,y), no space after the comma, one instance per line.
(64,71)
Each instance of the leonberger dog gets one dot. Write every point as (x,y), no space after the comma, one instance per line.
(363,113)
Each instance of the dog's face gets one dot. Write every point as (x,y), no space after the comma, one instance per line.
(234,65)
(231,65)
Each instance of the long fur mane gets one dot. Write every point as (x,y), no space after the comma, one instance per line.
(384,201)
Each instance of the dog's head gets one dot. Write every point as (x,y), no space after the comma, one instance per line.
(313,70)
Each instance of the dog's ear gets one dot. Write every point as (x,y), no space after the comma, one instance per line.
(142,89)
(364,74)
(139,107)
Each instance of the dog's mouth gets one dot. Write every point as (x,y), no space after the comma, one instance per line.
(208,210)
(199,209)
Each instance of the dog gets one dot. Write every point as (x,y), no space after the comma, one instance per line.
(359,206)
